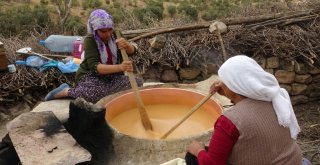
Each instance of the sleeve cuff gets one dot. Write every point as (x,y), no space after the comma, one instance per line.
(201,153)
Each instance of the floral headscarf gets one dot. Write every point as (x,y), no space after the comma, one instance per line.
(100,19)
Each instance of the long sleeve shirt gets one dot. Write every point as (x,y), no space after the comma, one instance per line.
(223,139)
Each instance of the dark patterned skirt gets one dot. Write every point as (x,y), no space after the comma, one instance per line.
(94,87)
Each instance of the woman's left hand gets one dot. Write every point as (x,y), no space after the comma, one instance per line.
(195,147)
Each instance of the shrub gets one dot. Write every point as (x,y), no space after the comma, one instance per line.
(172,10)
(155,12)
(21,20)
(91,4)
(41,16)
(44,2)
(188,10)
(75,3)
(74,25)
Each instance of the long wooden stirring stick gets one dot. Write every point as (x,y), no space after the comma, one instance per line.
(143,113)
(195,108)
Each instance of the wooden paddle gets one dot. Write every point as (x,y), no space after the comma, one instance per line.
(195,108)
(143,113)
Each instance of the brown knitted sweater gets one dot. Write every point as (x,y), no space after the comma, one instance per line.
(262,140)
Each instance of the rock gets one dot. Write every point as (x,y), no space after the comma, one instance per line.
(300,99)
(169,76)
(288,88)
(272,62)
(271,71)
(304,79)
(298,89)
(212,68)
(189,73)
(158,42)
(152,73)
(287,65)
(300,68)
(285,77)
(313,90)
(39,138)
(262,63)
(314,70)
(218,25)
(316,79)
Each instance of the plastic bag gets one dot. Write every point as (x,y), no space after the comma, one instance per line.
(35,61)
(68,67)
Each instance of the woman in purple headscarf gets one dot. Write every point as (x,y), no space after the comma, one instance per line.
(101,71)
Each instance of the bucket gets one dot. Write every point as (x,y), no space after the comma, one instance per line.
(3,58)
(131,149)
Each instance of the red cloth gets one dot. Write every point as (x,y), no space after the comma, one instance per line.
(109,56)
(222,141)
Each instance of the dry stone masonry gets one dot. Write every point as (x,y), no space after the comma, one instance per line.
(301,81)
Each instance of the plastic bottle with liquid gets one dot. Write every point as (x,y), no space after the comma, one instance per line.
(77,48)
(59,43)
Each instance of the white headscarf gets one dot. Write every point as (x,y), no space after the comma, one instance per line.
(245,76)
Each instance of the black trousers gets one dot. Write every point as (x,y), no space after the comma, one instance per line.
(8,154)
(191,159)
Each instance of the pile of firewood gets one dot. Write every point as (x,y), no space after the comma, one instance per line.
(293,36)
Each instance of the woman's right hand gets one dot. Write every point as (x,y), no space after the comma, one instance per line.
(126,66)
(216,87)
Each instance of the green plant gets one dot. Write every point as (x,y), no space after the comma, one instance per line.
(44,2)
(41,15)
(91,4)
(74,25)
(188,10)
(75,3)
(20,20)
(172,10)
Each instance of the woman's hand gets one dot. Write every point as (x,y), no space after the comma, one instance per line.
(124,44)
(216,87)
(126,66)
(195,147)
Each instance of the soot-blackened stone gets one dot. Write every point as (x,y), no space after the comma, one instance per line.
(88,126)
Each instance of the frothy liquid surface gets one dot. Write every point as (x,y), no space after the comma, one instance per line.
(163,117)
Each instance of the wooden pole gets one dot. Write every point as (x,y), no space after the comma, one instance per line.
(143,113)
(195,108)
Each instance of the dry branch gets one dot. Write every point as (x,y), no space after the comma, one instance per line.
(253,21)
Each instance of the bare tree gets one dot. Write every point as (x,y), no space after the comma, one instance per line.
(63,8)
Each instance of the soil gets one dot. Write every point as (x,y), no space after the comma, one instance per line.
(308,116)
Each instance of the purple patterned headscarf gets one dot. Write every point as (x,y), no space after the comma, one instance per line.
(100,19)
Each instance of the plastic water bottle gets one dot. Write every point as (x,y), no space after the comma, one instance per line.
(77,48)
(59,43)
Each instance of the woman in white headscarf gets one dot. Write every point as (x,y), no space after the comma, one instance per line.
(261,128)
(101,71)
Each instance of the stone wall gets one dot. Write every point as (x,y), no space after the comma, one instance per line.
(301,81)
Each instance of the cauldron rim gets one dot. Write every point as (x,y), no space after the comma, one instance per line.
(119,95)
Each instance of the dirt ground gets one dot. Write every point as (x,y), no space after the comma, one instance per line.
(308,116)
